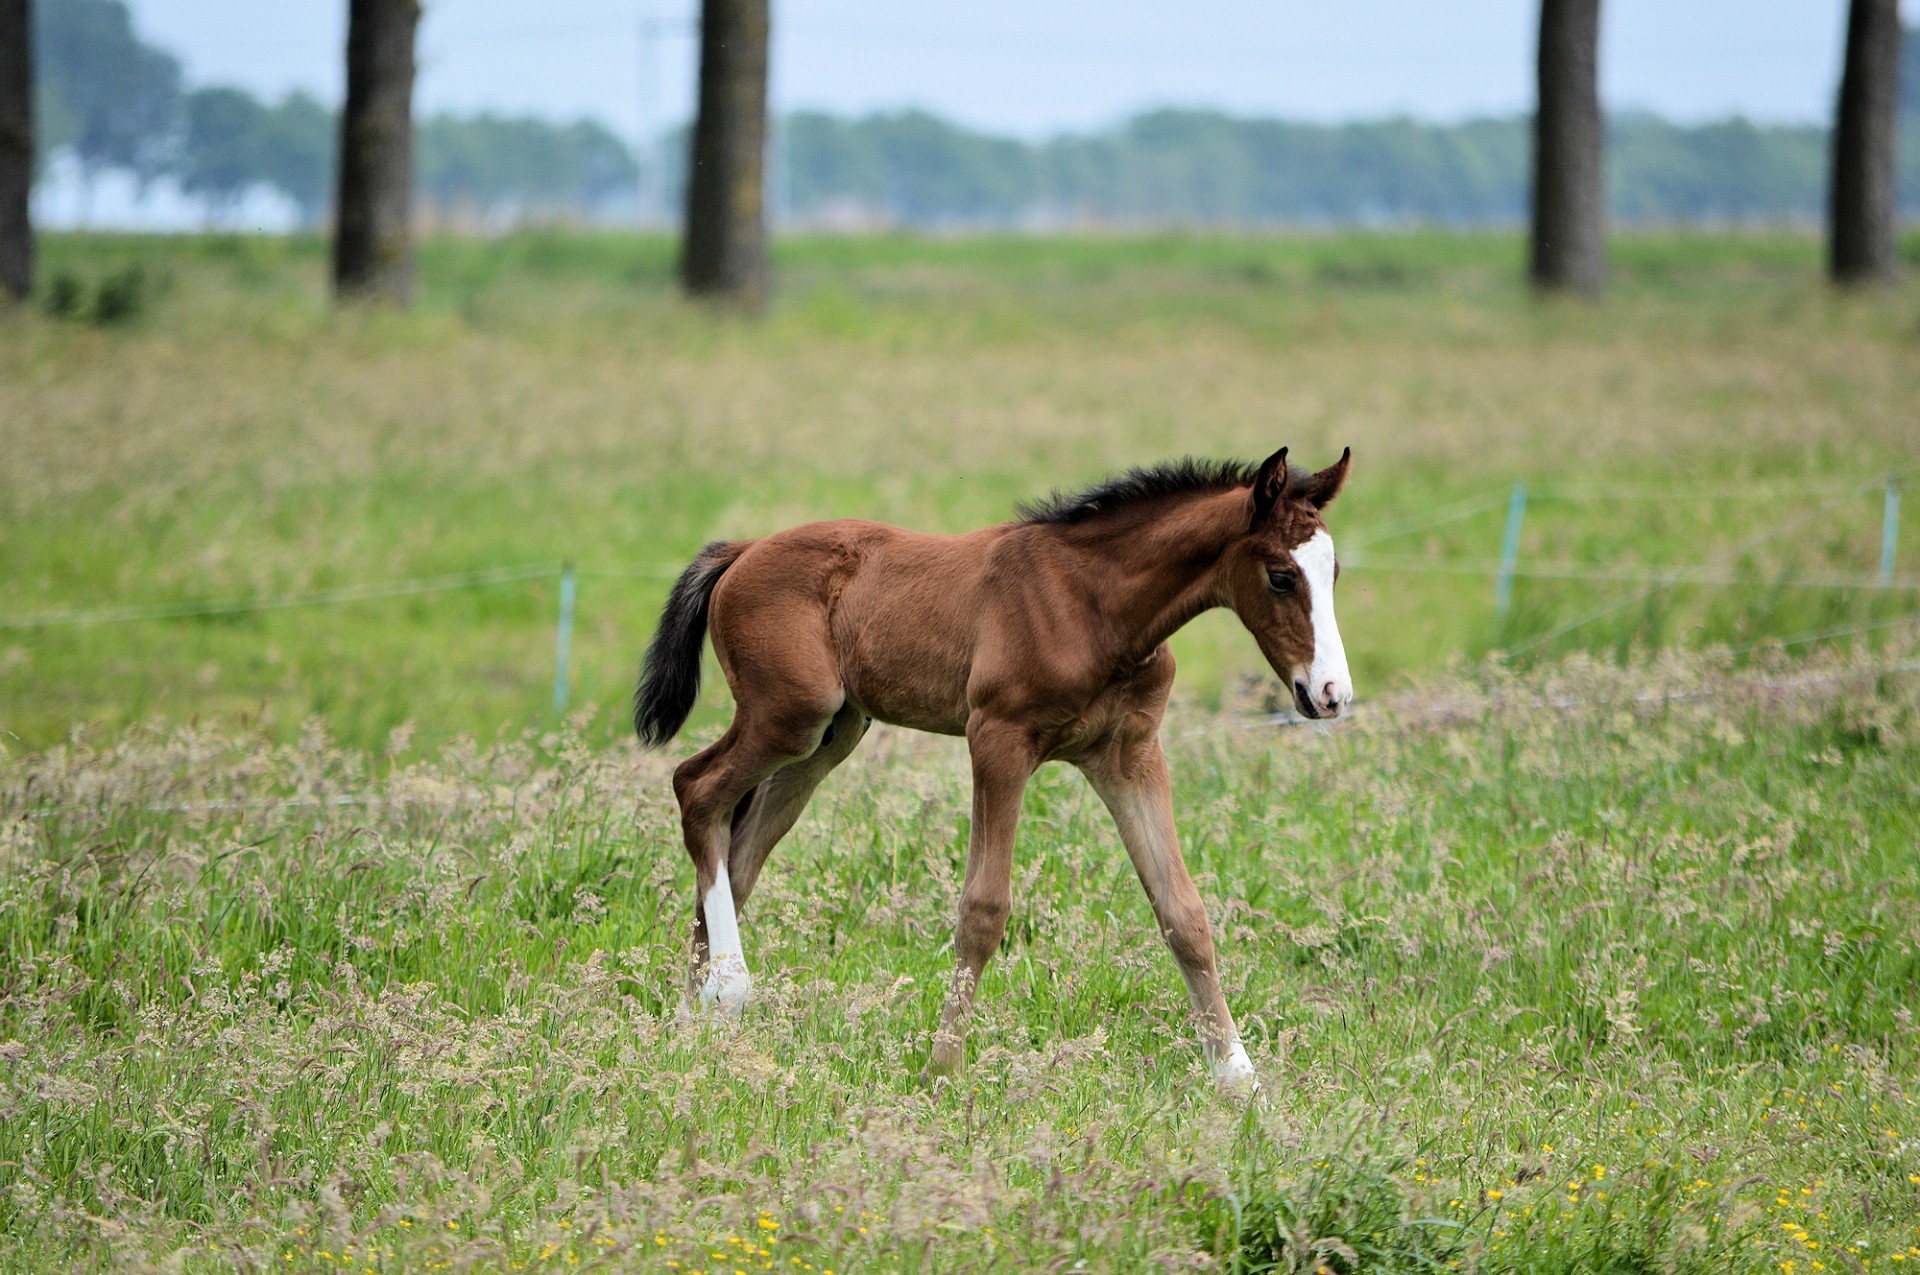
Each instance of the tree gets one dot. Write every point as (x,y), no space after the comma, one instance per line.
(296,153)
(16,148)
(373,234)
(111,97)
(222,154)
(518,168)
(1910,74)
(724,254)
(1568,246)
(1860,217)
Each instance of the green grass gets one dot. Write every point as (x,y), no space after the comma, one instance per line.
(320,939)
(551,400)
(1623,985)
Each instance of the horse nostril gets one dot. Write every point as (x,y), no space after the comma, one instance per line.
(1330,695)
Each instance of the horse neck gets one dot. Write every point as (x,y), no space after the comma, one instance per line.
(1158,568)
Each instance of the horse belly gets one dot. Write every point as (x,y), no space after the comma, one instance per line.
(906,651)
(908,682)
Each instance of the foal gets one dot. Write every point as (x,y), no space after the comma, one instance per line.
(1040,639)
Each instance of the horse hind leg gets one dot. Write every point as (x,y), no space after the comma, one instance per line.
(772,809)
(712,787)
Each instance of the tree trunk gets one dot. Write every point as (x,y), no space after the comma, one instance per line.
(373,231)
(724,254)
(1860,216)
(1569,249)
(16,148)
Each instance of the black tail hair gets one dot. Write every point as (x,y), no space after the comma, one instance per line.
(670,678)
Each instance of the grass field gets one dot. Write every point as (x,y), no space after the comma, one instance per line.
(323,945)
(550,400)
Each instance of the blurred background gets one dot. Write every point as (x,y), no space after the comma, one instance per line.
(951,116)
(378,365)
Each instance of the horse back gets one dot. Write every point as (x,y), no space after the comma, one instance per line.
(894,613)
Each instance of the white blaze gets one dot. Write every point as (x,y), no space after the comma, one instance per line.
(727,982)
(1329,655)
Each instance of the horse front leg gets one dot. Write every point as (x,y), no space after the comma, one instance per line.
(1131,778)
(1003,761)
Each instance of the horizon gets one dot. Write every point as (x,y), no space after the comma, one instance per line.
(996,68)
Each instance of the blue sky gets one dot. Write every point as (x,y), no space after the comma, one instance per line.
(1030,68)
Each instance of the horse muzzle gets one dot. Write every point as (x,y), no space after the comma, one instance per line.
(1327,703)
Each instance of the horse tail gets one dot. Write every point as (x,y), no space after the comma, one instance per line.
(670,678)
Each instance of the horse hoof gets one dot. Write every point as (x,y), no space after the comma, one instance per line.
(1234,1074)
(940,1070)
(723,998)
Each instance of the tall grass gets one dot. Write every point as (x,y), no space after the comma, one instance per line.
(550,399)
(322,946)
(1588,969)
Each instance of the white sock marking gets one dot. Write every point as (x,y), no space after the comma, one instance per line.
(1329,654)
(1235,1068)
(727,982)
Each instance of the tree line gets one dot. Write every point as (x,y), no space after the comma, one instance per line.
(118,103)
(1187,168)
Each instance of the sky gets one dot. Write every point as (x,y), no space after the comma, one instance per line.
(1031,68)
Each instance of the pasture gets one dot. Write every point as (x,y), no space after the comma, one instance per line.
(324,944)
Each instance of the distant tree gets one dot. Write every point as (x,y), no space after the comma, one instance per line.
(724,254)
(1860,219)
(517,168)
(373,233)
(115,99)
(16,148)
(1568,246)
(223,150)
(296,155)
(1910,73)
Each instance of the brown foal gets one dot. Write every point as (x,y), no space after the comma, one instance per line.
(1040,639)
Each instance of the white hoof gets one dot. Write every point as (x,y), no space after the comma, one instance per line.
(727,987)
(1234,1073)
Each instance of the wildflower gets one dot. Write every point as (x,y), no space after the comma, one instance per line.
(1496,1194)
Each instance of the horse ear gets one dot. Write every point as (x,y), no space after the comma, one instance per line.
(1269,485)
(1319,489)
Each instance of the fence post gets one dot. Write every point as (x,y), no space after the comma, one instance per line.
(1889,531)
(1510,550)
(563,640)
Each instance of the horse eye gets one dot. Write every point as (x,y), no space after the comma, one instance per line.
(1282,582)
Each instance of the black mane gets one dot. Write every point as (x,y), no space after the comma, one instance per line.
(1168,478)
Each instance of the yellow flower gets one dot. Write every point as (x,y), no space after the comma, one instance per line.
(1496,1195)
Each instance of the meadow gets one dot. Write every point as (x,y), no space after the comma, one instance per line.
(550,400)
(1590,943)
